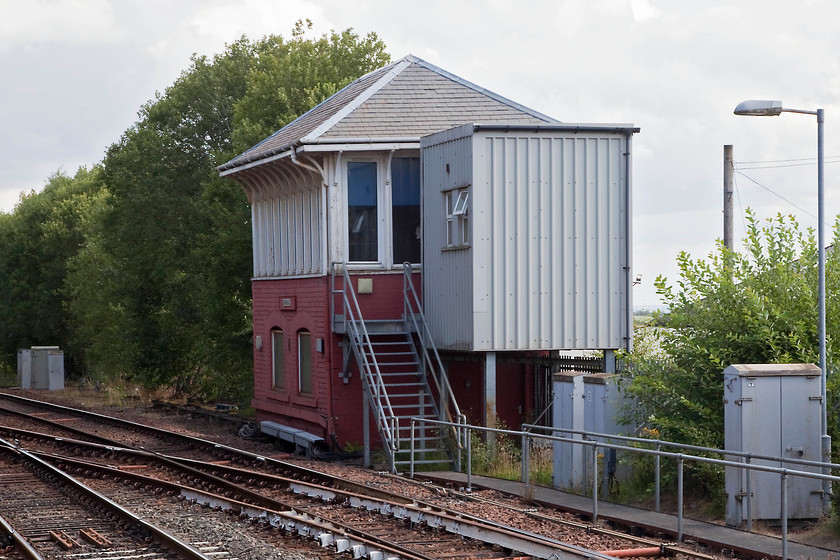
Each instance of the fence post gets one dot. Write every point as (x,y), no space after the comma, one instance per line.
(657,461)
(411,453)
(679,497)
(749,496)
(526,468)
(784,516)
(594,483)
(469,460)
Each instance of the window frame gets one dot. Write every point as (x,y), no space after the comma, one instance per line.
(381,218)
(307,346)
(278,375)
(457,212)
(384,209)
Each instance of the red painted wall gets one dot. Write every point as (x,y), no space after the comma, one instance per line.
(334,407)
(514,390)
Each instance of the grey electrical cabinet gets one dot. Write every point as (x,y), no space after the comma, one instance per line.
(603,401)
(41,367)
(773,410)
(568,413)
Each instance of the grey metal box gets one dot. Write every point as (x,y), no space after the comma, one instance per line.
(773,410)
(568,413)
(24,368)
(41,367)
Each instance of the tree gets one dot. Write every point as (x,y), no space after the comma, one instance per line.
(160,291)
(293,76)
(37,240)
(759,306)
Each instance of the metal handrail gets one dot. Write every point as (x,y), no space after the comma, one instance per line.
(746,457)
(664,443)
(362,347)
(679,457)
(447,396)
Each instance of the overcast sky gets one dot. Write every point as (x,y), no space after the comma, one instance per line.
(75,72)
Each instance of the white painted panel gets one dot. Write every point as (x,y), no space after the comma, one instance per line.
(549,258)
(287,222)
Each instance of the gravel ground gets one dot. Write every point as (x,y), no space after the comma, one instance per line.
(215,427)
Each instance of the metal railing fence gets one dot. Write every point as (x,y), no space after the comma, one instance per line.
(431,363)
(746,458)
(680,459)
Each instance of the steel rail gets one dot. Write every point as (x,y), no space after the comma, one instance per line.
(212,448)
(294,519)
(23,546)
(431,515)
(395,505)
(666,548)
(166,539)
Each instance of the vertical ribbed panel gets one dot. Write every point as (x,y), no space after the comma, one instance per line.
(447,273)
(287,228)
(549,263)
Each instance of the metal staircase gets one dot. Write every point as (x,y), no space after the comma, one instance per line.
(397,360)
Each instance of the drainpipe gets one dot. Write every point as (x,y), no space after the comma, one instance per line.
(628,161)
(315,168)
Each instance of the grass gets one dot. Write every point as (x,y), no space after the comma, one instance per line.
(8,377)
(501,457)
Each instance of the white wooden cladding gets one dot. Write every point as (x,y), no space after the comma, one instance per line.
(549,262)
(287,220)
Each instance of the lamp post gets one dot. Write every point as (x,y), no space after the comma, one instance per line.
(767,108)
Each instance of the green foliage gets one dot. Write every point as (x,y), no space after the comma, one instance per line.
(36,241)
(758,306)
(140,267)
(295,75)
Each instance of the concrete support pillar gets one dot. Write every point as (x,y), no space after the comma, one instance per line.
(609,361)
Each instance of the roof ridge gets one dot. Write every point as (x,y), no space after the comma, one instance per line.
(311,110)
(478,89)
(354,103)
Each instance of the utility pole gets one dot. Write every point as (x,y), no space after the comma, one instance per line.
(728,174)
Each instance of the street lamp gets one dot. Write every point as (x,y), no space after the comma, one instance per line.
(767,108)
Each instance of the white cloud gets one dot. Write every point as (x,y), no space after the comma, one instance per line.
(55,22)
(642,10)
(256,18)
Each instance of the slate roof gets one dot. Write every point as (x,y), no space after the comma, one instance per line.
(407,99)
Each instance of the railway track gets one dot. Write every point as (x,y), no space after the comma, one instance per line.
(337,513)
(402,528)
(45,513)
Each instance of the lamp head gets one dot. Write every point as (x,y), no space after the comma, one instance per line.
(759,108)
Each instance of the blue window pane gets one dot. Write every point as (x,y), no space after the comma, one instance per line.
(361,211)
(405,211)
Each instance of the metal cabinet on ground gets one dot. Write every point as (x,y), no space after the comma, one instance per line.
(568,414)
(772,410)
(41,367)
(589,402)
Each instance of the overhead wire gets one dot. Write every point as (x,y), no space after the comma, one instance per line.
(771,191)
(741,165)
(740,205)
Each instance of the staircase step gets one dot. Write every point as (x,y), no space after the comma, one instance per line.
(412,384)
(412,405)
(382,363)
